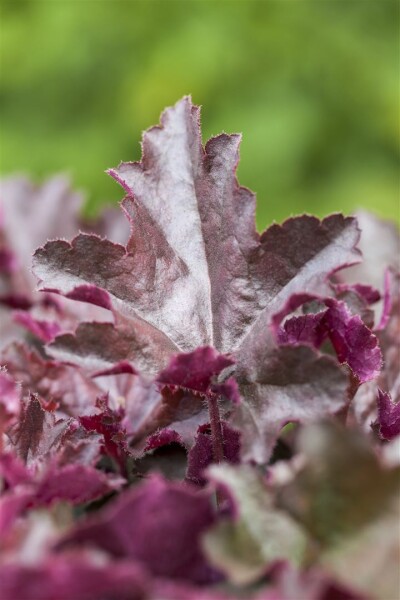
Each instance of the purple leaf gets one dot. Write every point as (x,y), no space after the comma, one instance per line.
(388,416)
(38,434)
(201,455)
(98,346)
(108,424)
(176,399)
(75,484)
(198,372)
(12,505)
(158,524)
(8,262)
(368,293)
(45,331)
(68,386)
(305,329)
(13,470)
(289,384)
(161,438)
(352,340)
(90,294)
(65,578)
(390,298)
(195,272)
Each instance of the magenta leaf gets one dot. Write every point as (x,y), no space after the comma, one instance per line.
(304,329)
(108,424)
(176,399)
(388,416)
(352,340)
(161,438)
(201,455)
(368,293)
(153,423)
(46,331)
(12,505)
(72,484)
(13,470)
(159,525)
(188,383)
(75,484)
(198,372)
(70,577)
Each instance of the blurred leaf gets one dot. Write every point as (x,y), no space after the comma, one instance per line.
(260,533)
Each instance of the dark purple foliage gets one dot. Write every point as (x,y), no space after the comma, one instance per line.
(201,455)
(159,525)
(146,392)
(388,416)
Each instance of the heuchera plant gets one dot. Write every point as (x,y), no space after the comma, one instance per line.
(189,409)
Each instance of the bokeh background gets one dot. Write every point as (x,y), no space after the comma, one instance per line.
(313,86)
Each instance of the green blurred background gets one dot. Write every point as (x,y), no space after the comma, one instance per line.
(313,86)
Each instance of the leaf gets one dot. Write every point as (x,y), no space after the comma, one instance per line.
(369,560)
(287,384)
(45,331)
(13,470)
(388,416)
(67,577)
(10,398)
(310,584)
(11,507)
(380,245)
(158,524)
(364,405)
(108,424)
(65,385)
(38,433)
(35,211)
(195,272)
(260,533)
(201,455)
(177,398)
(342,487)
(76,484)
(353,341)
(199,372)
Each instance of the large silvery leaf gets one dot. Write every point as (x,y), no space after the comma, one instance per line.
(195,272)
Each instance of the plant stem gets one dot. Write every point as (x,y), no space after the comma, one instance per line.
(216,436)
(216,428)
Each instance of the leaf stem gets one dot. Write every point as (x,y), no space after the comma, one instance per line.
(216,428)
